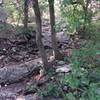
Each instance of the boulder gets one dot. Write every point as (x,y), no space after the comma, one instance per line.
(64,68)
(16,73)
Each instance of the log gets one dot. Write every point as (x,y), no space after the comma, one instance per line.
(16,73)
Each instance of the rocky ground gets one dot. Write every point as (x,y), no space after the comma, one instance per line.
(19,51)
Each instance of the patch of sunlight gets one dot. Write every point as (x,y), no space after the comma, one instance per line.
(21,97)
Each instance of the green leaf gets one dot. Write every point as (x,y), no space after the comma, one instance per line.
(81,98)
(73,82)
(70,96)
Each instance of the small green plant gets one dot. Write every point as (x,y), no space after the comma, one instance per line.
(51,90)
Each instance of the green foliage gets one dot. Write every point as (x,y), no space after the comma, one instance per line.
(20,29)
(84,79)
(6,28)
(53,90)
(50,90)
(83,60)
(70,96)
(82,86)
(73,19)
(15,13)
(92,92)
(93,31)
(74,13)
(43,5)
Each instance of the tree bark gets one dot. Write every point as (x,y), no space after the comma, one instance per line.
(57,53)
(85,8)
(39,34)
(1,2)
(25,15)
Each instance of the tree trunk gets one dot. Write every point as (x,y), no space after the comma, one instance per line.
(57,54)
(1,2)
(39,34)
(85,8)
(25,15)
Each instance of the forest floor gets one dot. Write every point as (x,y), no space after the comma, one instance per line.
(15,50)
(18,50)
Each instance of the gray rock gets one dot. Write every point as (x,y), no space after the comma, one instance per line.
(7,95)
(64,69)
(28,97)
(10,92)
(16,73)
(98,91)
(60,62)
(32,97)
(51,98)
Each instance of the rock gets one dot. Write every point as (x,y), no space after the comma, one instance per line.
(62,37)
(28,97)
(21,97)
(60,63)
(32,97)
(51,59)
(52,98)
(47,40)
(98,91)
(11,92)
(17,73)
(65,87)
(7,95)
(64,69)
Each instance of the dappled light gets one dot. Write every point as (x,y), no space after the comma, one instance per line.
(49,49)
(20,98)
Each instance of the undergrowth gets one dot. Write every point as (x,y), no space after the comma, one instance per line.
(83,82)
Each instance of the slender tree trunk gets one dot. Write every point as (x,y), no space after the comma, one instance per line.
(38,34)
(25,15)
(57,54)
(85,8)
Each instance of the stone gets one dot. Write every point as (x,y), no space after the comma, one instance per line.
(21,97)
(15,73)
(64,69)
(60,62)
(11,92)
(28,97)
(7,95)
(52,98)
(98,91)
(32,97)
